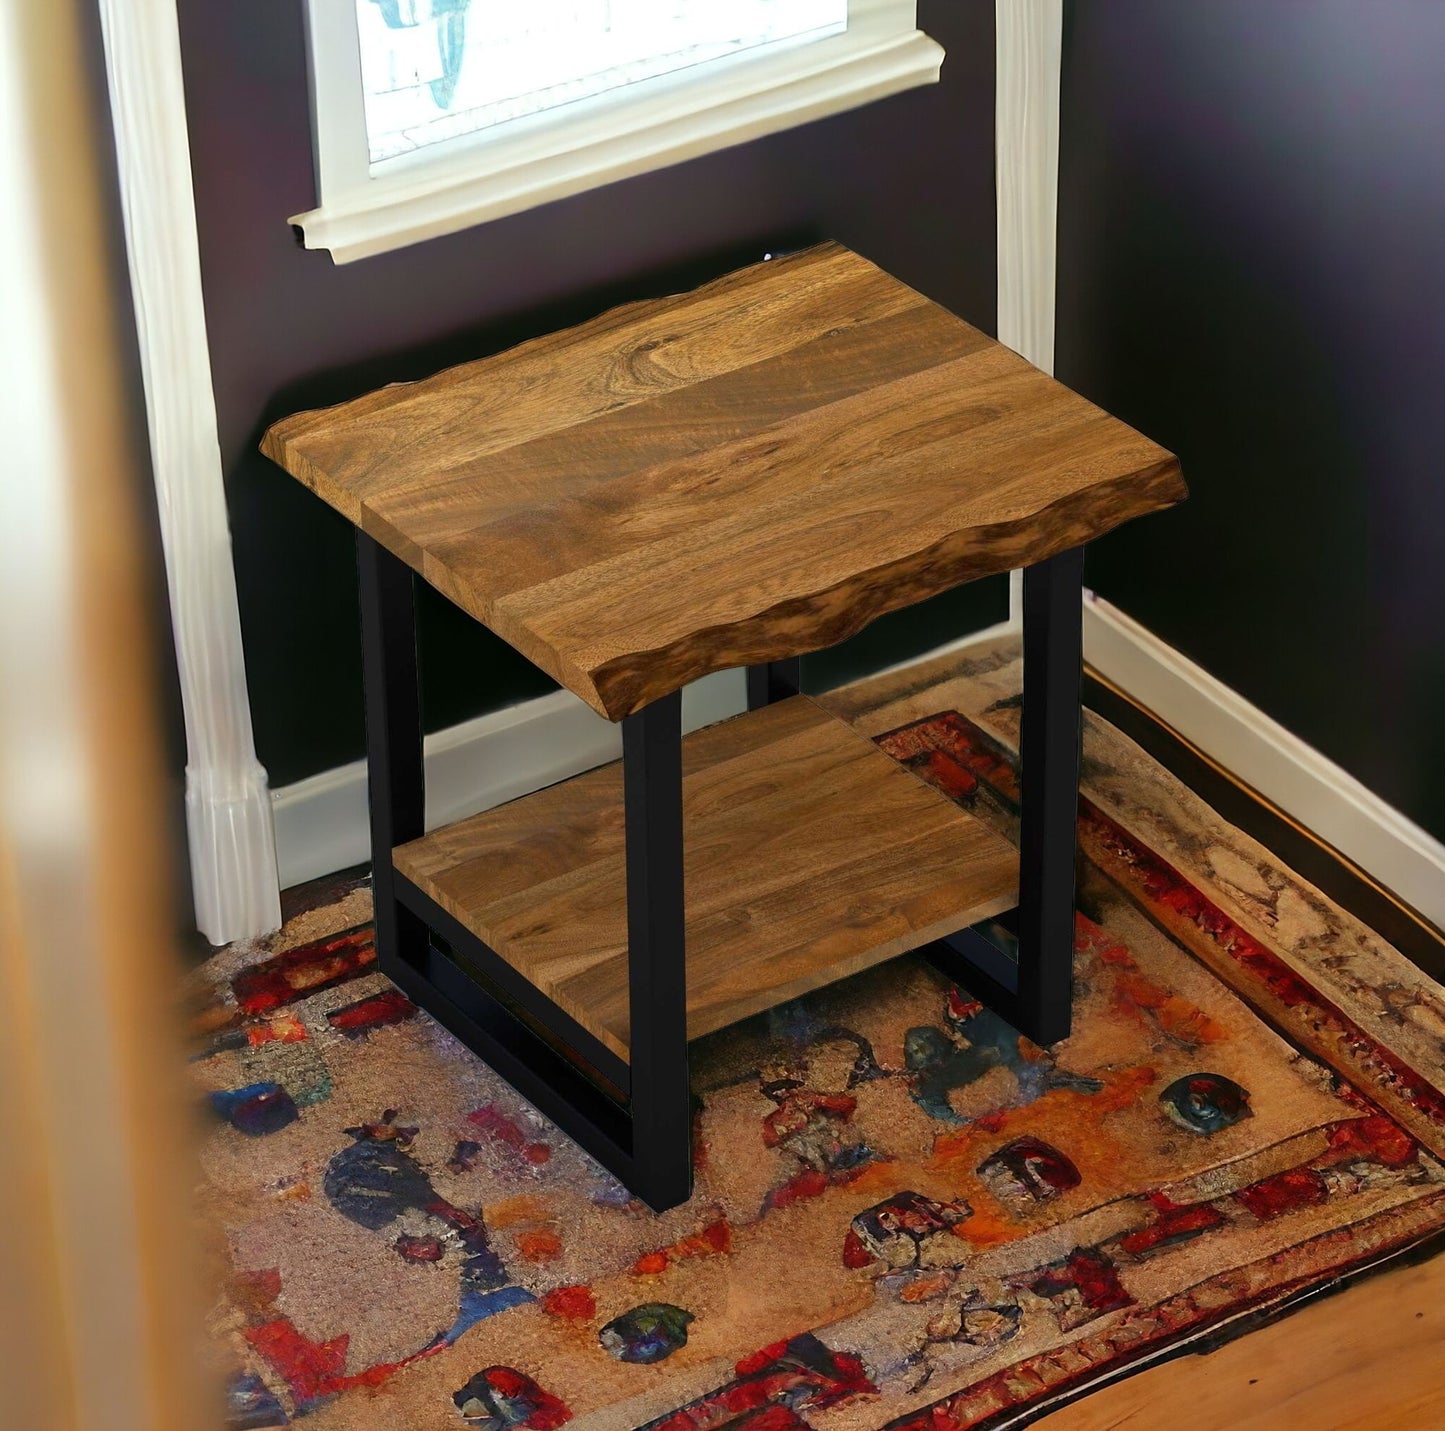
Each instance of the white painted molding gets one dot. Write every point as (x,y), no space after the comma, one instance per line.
(321,822)
(233,861)
(367,209)
(1029,49)
(955,647)
(1030,60)
(1306,785)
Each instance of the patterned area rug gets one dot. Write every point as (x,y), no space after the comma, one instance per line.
(905,1217)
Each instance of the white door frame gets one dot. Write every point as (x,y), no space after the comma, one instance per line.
(1028,66)
(228,809)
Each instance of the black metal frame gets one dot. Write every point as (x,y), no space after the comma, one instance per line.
(635,1116)
(774,681)
(1034,989)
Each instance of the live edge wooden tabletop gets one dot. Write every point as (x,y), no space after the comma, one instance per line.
(738,474)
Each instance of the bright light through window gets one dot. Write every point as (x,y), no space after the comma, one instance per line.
(435,70)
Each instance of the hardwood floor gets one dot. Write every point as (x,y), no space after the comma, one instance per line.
(1371,1358)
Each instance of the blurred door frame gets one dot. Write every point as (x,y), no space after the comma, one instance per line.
(98,1321)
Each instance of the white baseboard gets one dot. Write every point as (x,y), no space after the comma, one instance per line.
(232,855)
(1258,750)
(956,646)
(321,822)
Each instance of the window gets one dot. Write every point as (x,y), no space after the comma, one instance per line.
(435,71)
(431,115)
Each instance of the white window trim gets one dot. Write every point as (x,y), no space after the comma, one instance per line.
(1029,36)
(228,808)
(366,209)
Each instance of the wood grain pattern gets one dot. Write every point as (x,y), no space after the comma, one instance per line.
(1370,1359)
(747,472)
(809,855)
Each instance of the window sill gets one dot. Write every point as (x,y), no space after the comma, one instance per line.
(406,202)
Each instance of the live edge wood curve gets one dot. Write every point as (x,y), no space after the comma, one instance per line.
(810,855)
(746,472)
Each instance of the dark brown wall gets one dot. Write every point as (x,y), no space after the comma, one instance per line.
(1252,270)
(908,182)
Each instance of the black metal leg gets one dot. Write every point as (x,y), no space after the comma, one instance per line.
(1049,767)
(661,1099)
(395,779)
(472,990)
(774,681)
(649,1144)
(1036,993)
(493,981)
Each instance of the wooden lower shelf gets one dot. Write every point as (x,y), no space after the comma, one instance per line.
(809,855)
